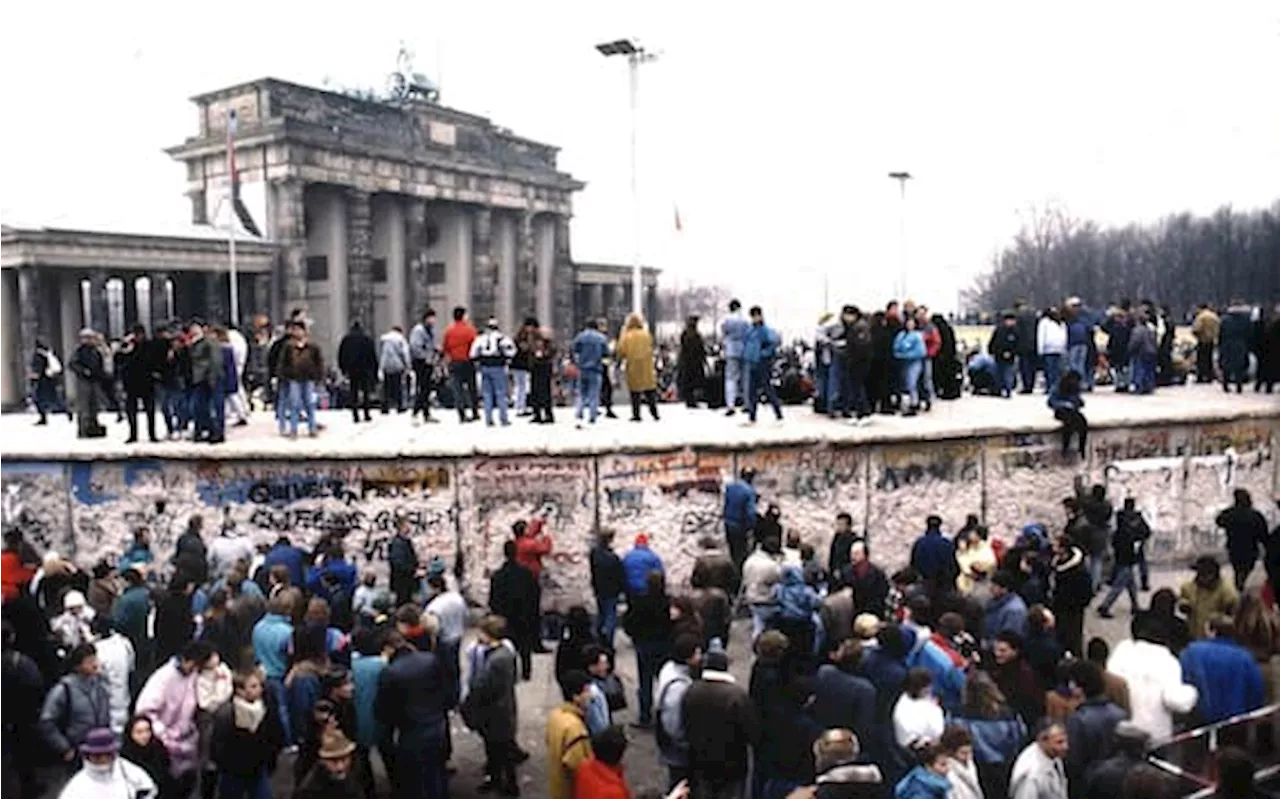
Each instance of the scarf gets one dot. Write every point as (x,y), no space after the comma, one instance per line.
(248,715)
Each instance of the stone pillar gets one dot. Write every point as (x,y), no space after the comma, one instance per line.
(98,314)
(217,298)
(527,269)
(359,259)
(595,302)
(415,247)
(199,207)
(562,283)
(291,232)
(130,297)
(29,294)
(159,298)
(12,369)
(261,296)
(484,272)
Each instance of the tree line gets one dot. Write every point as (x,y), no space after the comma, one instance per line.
(1179,261)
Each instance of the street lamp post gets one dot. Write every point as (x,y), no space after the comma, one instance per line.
(900,285)
(636,55)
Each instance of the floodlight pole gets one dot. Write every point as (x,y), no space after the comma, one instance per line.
(901,286)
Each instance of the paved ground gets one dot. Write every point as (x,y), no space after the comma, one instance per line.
(392,435)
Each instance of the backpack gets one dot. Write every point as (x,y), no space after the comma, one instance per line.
(52,366)
(660,733)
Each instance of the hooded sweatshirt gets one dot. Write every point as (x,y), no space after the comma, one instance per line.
(121,780)
(795,599)
(921,783)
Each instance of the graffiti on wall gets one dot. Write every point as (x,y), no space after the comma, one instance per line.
(495,493)
(675,498)
(1027,479)
(911,481)
(35,505)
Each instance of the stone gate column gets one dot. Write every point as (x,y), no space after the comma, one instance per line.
(415,247)
(360,258)
(216,305)
(29,285)
(562,282)
(484,273)
(527,270)
(159,298)
(291,231)
(98,313)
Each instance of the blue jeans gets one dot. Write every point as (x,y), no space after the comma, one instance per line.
(1027,367)
(822,382)
(1052,371)
(588,395)
(757,381)
(1144,374)
(835,385)
(1123,376)
(301,401)
(1005,376)
(202,409)
(493,386)
(732,381)
(1121,580)
(218,408)
(926,380)
(1095,571)
(606,619)
(170,403)
(853,390)
(649,659)
(760,617)
(231,786)
(1078,362)
(521,379)
(911,379)
(279,695)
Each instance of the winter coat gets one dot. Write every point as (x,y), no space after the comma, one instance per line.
(117,660)
(1118,330)
(1021,687)
(595,779)
(916,721)
(513,594)
(733,332)
(532,548)
(870,589)
(1089,734)
(932,340)
(844,700)
(1206,327)
(1059,401)
(357,356)
(393,353)
(1246,531)
(1037,776)
(1051,337)
(289,556)
(490,706)
(1227,677)
(837,614)
(761,345)
(721,726)
(1142,341)
(169,699)
(1156,687)
(1009,612)
(320,784)
(412,695)
(568,747)
(796,601)
(1072,586)
(908,345)
(760,572)
(637,565)
(271,637)
(301,364)
(648,618)
(674,680)
(422,343)
(206,361)
(1204,603)
(934,556)
(126,781)
(74,706)
(1004,344)
(921,783)
(691,365)
(1079,331)
(243,753)
(402,558)
(964,780)
(366,671)
(995,740)
(948,679)
(739,506)
(492,348)
(1233,344)
(608,579)
(589,349)
(635,350)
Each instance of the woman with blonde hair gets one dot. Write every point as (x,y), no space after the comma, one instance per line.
(635,350)
(1258,630)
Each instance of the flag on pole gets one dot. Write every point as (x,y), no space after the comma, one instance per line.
(242,211)
(679,224)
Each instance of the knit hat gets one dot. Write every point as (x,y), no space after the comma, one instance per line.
(335,745)
(436,567)
(72,599)
(100,741)
(715,658)
(642,540)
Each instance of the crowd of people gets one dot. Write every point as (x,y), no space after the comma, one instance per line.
(964,674)
(897,360)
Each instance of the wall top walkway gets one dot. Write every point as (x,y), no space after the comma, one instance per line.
(390,437)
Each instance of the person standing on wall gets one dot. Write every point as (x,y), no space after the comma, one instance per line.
(1028,358)
(393,361)
(140,373)
(301,367)
(423,353)
(1205,328)
(635,350)
(87,366)
(458,338)
(522,365)
(733,334)
(1051,347)
(758,353)
(589,349)
(492,351)
(542,358)
(358,360)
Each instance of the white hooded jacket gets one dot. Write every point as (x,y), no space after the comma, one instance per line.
(1156,689)
(123,780)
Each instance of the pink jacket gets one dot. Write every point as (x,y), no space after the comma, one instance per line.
(169,700)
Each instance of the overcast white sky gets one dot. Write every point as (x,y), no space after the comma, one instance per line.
(772,125)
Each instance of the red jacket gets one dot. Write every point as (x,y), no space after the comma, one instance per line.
(932,340)
(458,337)
(13,575)
(596,780)
(944,644)
(531,547)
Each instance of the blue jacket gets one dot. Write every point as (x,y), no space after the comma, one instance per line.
(1226,675)
(1079,331)
(290,556)
(1065,402)
(734,330)
(994,740)
(365,672)
(129,613)
(948,681)
(135,555)
(589,349)
(739,506)
(795,599)
(1008,612)
(921,783)
(341,570)
(908,345)
(933,555)
(636,565)
(761,344)
(271,636)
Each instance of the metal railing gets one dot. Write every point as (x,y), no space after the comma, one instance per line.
(1198,766)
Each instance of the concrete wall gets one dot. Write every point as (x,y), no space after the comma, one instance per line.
(463,508)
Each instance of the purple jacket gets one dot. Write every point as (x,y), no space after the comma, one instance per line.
(169,700)
(230,379)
